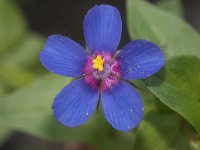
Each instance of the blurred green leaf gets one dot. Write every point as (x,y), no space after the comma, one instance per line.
(15,76)
(16,65)
(160,132)
(182,143)
(29,110)
(1,89)
(26,53)
(195,143)
(5,132)
(173,6)
(12,25)
(177,86)
(174,35)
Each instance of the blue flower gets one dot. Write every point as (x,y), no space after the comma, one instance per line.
(98,73)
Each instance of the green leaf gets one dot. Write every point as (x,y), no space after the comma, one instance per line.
(195,142)
(178,85)
(25,54)
(1,89)
(15,76)
(29,110)
(173,34)
(16,65)
(12,25)
(160,131)
(5,132)
(173,6)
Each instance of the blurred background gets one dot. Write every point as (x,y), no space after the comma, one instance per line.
(24,27)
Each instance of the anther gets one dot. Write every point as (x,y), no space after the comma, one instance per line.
(98,63)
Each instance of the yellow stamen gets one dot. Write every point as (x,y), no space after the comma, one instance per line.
(98,63)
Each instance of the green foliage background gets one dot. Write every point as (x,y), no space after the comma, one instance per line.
(171,97)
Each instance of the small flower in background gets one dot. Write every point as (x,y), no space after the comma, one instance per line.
(98,73)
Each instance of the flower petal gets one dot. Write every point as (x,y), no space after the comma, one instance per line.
(102,28)
(122,106)
(140,59)
(63,56)
(75,103)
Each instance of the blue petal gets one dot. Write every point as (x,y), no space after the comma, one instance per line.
(140,59)
(75,103)
(63,56)
(122,106)
(102,28)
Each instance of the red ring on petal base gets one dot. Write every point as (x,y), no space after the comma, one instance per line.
(106,78)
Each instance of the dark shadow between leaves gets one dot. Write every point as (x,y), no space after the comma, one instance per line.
(165,126)
(156,79)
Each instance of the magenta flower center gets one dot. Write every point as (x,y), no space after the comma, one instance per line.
(101,71)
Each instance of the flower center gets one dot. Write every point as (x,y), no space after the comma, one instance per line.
(98,63)
(101,70)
